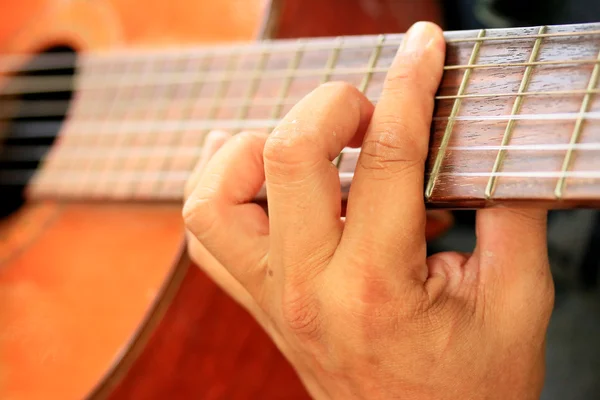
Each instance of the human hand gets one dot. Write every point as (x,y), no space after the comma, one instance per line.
(355,304)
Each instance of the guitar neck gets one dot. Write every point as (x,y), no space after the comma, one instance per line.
(517,115)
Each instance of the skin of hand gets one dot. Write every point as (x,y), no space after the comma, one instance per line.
(354,303)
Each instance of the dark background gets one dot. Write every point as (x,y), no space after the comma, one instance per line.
(573,355)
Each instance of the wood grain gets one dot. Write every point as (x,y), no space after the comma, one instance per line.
(140,118)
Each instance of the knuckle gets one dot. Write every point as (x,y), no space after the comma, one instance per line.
(412,74)
(340,89)
(199,216)
(406,71)
(373,307)
(302,268)
(253,137)
(287,152)
(188,188)
(387,152)
(301,312)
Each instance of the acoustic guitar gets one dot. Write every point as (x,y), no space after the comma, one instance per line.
(104,107)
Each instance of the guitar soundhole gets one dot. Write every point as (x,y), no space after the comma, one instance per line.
(30,119)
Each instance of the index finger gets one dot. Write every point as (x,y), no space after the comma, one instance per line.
(386,207)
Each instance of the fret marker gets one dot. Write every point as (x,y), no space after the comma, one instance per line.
(437,165)
(491,185)
(585,106)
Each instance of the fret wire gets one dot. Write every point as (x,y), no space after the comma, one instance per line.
(453,114)
(170,78)
(217,100)
(366,80)
(153,137)
(287,83)
(89,165)
(117,130)
(516,109)
(254,82)
(329,69)
(128,139)
(585,105)
(223,87)
(333,60)
(196,90)
(371,65)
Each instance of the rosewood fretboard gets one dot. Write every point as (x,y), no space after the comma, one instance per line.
(517,116)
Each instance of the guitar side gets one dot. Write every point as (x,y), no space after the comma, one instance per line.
(102,298)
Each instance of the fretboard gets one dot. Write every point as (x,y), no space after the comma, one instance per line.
(517,115)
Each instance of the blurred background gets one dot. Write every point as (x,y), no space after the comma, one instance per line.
(573,357)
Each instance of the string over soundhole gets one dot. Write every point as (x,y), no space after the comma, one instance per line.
(34,100)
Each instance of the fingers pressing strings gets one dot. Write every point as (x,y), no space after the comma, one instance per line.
(220,213)
(303,186)
(507,240)
(214,141)
(386,208)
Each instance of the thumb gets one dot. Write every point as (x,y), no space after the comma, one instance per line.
(512,247)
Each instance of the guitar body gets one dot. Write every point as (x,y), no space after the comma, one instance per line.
(99,299)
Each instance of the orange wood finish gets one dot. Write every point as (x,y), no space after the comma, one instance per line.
(73,299)
(109,24)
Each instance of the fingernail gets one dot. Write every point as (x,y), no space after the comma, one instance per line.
(420,36)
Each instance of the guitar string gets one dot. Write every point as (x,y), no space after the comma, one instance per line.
(88,127)
(280,46)
(485,174)
(200,124)
(29,107)
(182,176)
(32,153)
(47,84)
(483,66)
